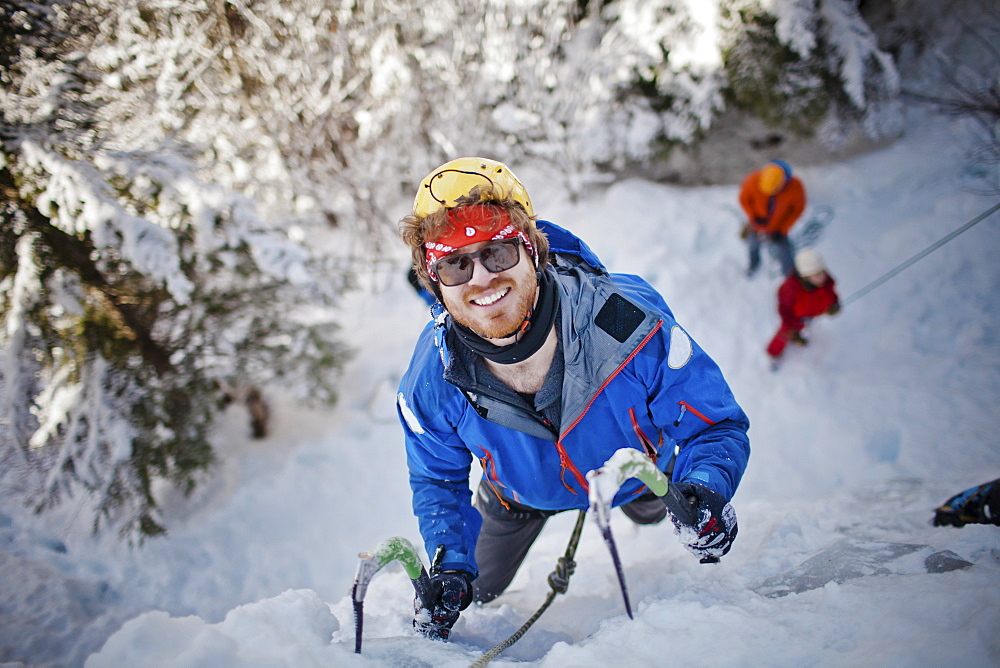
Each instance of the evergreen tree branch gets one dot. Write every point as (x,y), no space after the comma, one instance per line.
(75,254)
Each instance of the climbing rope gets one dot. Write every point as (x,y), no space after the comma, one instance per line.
(559,583)
(919,256)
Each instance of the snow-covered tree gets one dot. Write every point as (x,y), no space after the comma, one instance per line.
(811,66)
(137,288)
(598,85)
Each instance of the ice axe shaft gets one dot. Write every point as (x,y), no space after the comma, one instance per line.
(616,560)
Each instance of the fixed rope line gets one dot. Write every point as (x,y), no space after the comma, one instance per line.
(558,580)
(919,256)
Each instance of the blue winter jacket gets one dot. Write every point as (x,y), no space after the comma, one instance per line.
(632,378)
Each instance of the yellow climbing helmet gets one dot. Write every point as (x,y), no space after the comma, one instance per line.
(458,182)
(773,177)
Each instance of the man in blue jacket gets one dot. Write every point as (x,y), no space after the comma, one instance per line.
(541,364)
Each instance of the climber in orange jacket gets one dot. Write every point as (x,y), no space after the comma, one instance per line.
(773,200)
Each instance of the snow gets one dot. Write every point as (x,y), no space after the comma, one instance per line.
(856,439)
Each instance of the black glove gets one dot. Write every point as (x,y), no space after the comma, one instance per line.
(833,310)
(716,527)
(450,592)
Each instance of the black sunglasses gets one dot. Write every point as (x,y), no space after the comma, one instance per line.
(457,268)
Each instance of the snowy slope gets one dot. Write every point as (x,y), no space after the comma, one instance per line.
(856,438)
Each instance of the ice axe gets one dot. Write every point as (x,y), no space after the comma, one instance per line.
(391,549)
(605,482)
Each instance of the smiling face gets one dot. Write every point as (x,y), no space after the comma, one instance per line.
(493,305)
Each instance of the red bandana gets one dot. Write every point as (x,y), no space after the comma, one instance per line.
(472,225)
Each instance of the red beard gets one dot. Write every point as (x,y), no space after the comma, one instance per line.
(496,321)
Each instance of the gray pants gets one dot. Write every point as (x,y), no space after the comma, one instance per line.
(507,534)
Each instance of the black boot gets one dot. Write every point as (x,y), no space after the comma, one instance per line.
(976,505)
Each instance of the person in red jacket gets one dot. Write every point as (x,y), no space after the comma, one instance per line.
(773,200)
(806,293)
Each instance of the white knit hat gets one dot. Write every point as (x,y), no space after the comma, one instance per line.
(808,262)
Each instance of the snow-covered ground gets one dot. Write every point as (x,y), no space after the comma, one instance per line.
(856,439)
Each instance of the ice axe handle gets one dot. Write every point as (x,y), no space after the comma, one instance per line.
(423,589)
(684,511)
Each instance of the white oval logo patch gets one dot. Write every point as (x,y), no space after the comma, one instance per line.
(680,348)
